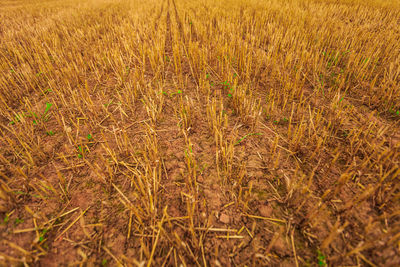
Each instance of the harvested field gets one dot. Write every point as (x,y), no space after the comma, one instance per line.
(199,133)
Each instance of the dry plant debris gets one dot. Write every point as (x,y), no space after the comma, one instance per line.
(199,133)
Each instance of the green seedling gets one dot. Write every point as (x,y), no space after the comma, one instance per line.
(104,262)
(397,113)
(42,234)
(176,93)
(80,150)
(227,86)
(89,137)
(207,76)
(48,106)
(6,219)
(16,119)
(30,114)
(244,137)
(47,91)
(18,221)
(50,133)
(167,58)
(106,105)
(187,153)
(321,259)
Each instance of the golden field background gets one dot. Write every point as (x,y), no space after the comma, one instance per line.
(199,133)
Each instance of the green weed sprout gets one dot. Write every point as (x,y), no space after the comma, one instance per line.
(80,150)
(18,221)
(176,93)
(42,235)
(321,259)
(244,137)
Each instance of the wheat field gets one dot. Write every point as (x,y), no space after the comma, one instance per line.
(199,133)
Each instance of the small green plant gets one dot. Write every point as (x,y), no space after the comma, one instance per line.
(50,133)
(107,104)
(176,93)
(31,114)
(80,152)
(394,111)
(48,106)
(104,262)
(42,235)
(6,219)
(227,85)
(321,259)
(89,137)
(18,221)
(244,137)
